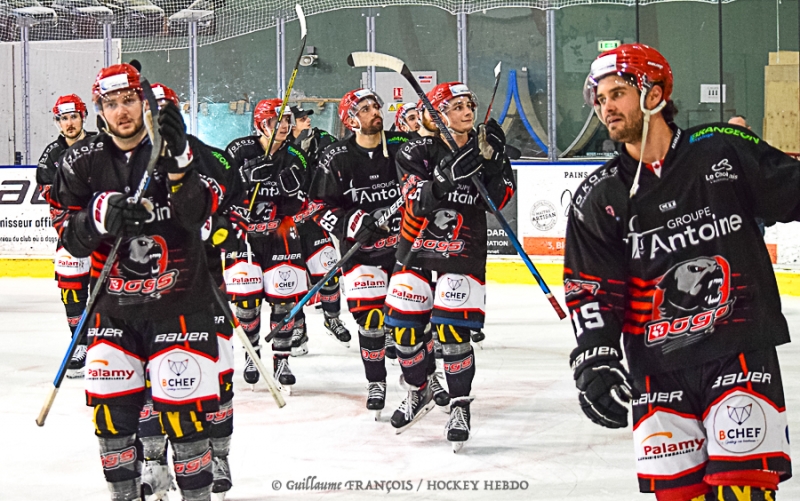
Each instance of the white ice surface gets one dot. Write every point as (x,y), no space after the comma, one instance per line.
(526,423)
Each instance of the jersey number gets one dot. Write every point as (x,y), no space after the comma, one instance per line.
(591,317)
(328,221)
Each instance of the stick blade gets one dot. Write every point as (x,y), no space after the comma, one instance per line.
(363,59)
(497,69)
(302,18)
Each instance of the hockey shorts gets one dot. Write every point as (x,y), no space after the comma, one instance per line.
(71,272)
(458,299)
(318,251)
(181,353)
(365,287)
(273,268)
(706,423)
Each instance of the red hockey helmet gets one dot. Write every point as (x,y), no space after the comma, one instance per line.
(441,95)
(69,104)
(116,78)
(162,92)
(349,103)
(266,109)
(645,65)
(400,116)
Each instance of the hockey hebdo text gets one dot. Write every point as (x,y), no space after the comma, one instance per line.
(313,483)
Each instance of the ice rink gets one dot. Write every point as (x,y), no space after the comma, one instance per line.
(527,426)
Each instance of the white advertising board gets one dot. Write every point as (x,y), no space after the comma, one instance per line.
(25,227)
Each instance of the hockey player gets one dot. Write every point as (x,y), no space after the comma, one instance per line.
(407,118)
(219,235)
(444,230)
(355,184)
(663,249)
(154,308)
(318,250)
(272,268)
(71,273)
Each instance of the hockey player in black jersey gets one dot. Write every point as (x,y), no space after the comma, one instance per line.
(272,268)
(71,273)
(318,250)
(355,184)
(444,230)
(407,118)
(219,234)
(154,309)
(663,250)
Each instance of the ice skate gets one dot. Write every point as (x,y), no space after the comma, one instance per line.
(457,427)
(418,403)
(283,374)
(222,478)
(157,481)
(250,372)
(76,363)
(336,328)
(477,337)
(300,341)
(376,397)
(440,395)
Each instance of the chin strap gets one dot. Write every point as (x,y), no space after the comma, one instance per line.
(645,129)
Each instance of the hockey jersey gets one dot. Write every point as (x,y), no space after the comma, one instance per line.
(163,270)
(680,269)
(48,163)
(448,234)
(349,178)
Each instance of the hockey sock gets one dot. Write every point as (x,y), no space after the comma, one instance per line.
(372,339)
(74,304)
(741,493)
(459,366)
(411,353)
(121,457)
(427,339)
(330,297)
(282,342)
(193,468)
(220,423)
(247,312)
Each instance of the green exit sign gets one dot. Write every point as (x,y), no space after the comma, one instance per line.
(604,45)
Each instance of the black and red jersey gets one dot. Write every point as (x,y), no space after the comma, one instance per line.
(349,178)
(244,148)
(681,269)
(164,270)
(448,234)
(48,163)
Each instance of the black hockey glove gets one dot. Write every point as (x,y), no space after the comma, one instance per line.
(290,182)
(455,167)
(257,170)
(221,233)
(604,385)
(173,130)
(491,134)
(113,214)
(363,228)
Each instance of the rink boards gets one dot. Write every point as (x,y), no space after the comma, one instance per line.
(539,213)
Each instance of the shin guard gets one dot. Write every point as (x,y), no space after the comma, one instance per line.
(122,466)
(459,367)
(414,364)
(330,298)
(193,468)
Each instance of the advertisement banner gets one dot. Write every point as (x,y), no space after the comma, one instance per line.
(25,227)
(497,242)
(543,196)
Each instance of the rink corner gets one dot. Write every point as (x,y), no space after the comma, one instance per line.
(511,270)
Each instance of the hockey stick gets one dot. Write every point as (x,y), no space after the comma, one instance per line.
(494,91)
(248,346)
(395,64)
(303,32)
(150,118)
(299,306)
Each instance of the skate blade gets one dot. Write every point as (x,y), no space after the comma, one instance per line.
(218,496)
(74,374)
(285,388)
(444,408)
(430,405)
(457,446)
(378,415)
(300,351)
(480,344)
(158,496)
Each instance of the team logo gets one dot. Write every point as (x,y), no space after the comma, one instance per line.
(180,377)
(143,264)
(740,424)
(445,224)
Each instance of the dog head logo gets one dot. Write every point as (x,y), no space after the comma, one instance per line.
(178,367)
(144,256)
(284,275)
(445,224)
(693,286)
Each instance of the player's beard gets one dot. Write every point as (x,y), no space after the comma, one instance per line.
(74,134)
(631,132)
(137,129)
(375,127)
